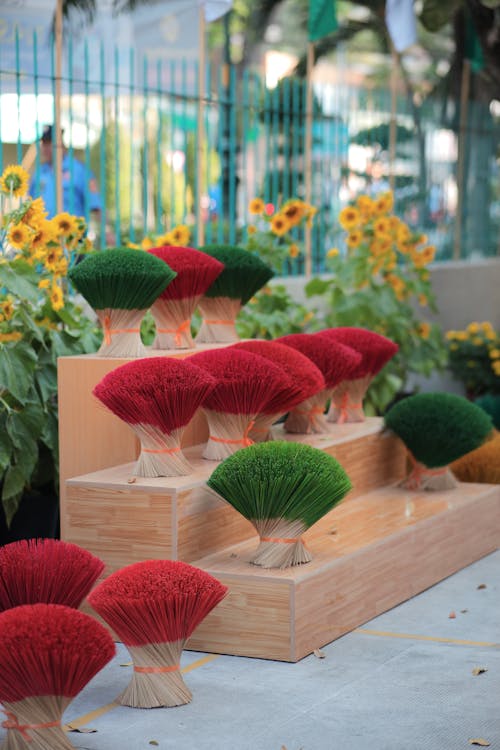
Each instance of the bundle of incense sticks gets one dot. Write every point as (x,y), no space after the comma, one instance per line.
(375,351)
(243,275)
(157,397)
(121,284)
(306,381)
(481,465)
(336,362)
(246,385)
(437,428)
(282,488)
(174,308)
(154,606)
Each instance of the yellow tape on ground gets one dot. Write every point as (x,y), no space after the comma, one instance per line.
(413,637)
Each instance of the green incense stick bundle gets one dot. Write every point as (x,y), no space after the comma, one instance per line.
(282,488)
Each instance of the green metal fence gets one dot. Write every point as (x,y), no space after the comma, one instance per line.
(134,125)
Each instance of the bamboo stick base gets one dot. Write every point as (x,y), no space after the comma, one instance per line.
(369,554)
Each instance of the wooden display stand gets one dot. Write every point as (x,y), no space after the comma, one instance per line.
(379,547)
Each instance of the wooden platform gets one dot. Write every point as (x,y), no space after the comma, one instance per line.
(180,518)
(370,553)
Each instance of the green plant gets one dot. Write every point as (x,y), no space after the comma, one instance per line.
(39,321)
(380,283)
(273,313)
(474,358)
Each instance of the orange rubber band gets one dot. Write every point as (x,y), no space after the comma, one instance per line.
(344,406)
(245,439)
(161,450)
(109,332)
(157,670)
(419,472)
(12,723)
(184,326)
(219,322)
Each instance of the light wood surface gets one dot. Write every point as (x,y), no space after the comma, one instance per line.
(388,546)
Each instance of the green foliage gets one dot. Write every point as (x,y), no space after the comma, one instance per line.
(273,313)
(474,358)
(281,480)
(121,279)
(491,405)
(438,428)
(244,273)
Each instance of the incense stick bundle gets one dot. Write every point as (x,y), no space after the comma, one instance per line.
(437,428)
(243,275)
(336,362)
(121,284)
(282,489)
(154,606)
(375,351)
(481,465)
(157,397)
(174,308)
(246,385)
(47,571)
(48,654)
(306,381)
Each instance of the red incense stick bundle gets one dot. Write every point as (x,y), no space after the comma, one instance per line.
(157,397)
(48,654)
(46,570)
(375,351)
(247,385)
(154,606)
(335,362)
(307,380)
(174,308)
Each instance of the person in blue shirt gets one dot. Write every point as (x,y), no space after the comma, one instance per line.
(80,192)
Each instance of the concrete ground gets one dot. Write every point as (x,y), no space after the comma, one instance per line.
(403,681)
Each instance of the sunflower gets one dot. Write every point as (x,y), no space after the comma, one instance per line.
(44,284)
(64,225)
(14,181)
(384,203)
(147,243)
(18,236)
(251,229)
(354,239)
(256,206)
(160,241)
(349,218)
(294,212)
(35,214)
(495,366)
(53,257)
(44,234)
(365,205)
(381,225)
(279,225)
(56,297)
(429,253)
(333,252)
(402,233)
(423,330)
(293,250)
(180,235)
(7,308)
(422,300)
(61,267)
(14,336)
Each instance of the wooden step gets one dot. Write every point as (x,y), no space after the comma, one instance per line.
(370,554)
(180,518)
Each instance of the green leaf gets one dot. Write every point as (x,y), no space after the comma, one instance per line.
(17,364)
(25,426)
(20,280)
(316,286)
(5,449)
(10,506)
(13,483)
(46,380)
(26,459)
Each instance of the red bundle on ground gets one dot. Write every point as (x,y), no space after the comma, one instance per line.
(306,380)
(173,310)
(335,361)
(48,571)
(48,654)
(247,385)
(157,397)
(154,606)
(375,351)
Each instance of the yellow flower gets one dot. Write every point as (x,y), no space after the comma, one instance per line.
(477,341)
(251,229)
(294,212)
(44,284)
(354,239)
(279,225)
(14,336)
(473,327)
(180,235)
(14,181)
(54,255)
(160,241)
(349,218)
(424,275)
(424,330)
(56,297)
(35,214)
(333,252)
(64,224)
(422,300)
(450,335)
(402,233)
(487,327)
(256,206)
(461,336)
(7,308)
(146,243)
(61,268)
(307,317)
(428,253)
(495,366)
(453,347)
(44,234)
(133,246)
(365,205)
(494,353)
(384,203)
(18,236)
(293,250)
(87,245)
(394,223)
(381,225)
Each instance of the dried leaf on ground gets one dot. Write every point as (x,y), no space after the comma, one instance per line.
(81,730)
(319,654)
(154,742)
(479,741)
(482,586)
(452,616)
(479,670)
